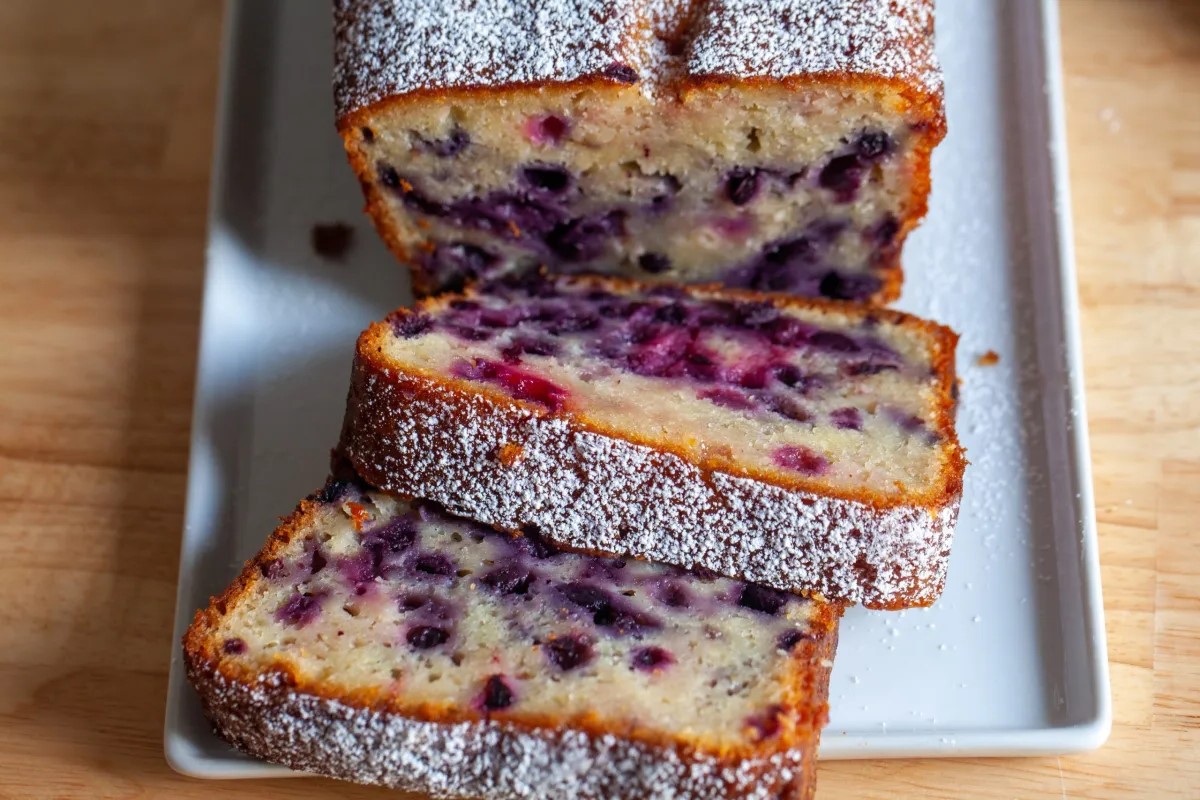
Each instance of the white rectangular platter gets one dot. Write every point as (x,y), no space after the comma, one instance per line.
(1011,660)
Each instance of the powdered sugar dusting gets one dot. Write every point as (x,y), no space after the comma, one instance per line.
(389,47)
(609,495)
(779,38)
(268,719)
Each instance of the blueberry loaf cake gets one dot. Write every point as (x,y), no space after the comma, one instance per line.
(778,145)
(803,444)
(386,642)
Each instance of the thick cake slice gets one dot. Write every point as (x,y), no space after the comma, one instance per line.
(776,145)
(389,643)
(805,445)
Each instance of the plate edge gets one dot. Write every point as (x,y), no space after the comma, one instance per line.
(1086,735)
(1099,723)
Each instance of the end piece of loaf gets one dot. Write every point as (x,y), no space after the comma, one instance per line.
(806,445)
(777,145)
(387,642)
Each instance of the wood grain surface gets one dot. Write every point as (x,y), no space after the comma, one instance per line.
(105,135)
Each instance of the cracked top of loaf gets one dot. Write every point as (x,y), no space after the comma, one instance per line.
(386,48)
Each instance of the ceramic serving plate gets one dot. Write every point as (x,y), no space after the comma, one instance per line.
(1010,661)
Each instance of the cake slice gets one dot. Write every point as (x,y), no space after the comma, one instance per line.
(805,445)
(778,145)
(390,643)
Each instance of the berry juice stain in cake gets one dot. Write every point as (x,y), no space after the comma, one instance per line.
(234,646)
(788,640)
(299,610)
(741,186)
(847,418)
(569,651)
(801,459)
(546,129)
(497,694)
(454,143)
(521,384)
(651,659)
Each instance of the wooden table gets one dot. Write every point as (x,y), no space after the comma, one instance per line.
(105,136)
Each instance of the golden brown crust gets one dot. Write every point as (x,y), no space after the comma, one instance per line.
(919,106)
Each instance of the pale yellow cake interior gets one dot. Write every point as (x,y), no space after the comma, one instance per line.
(621,143)
(727,661)
(882,457)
